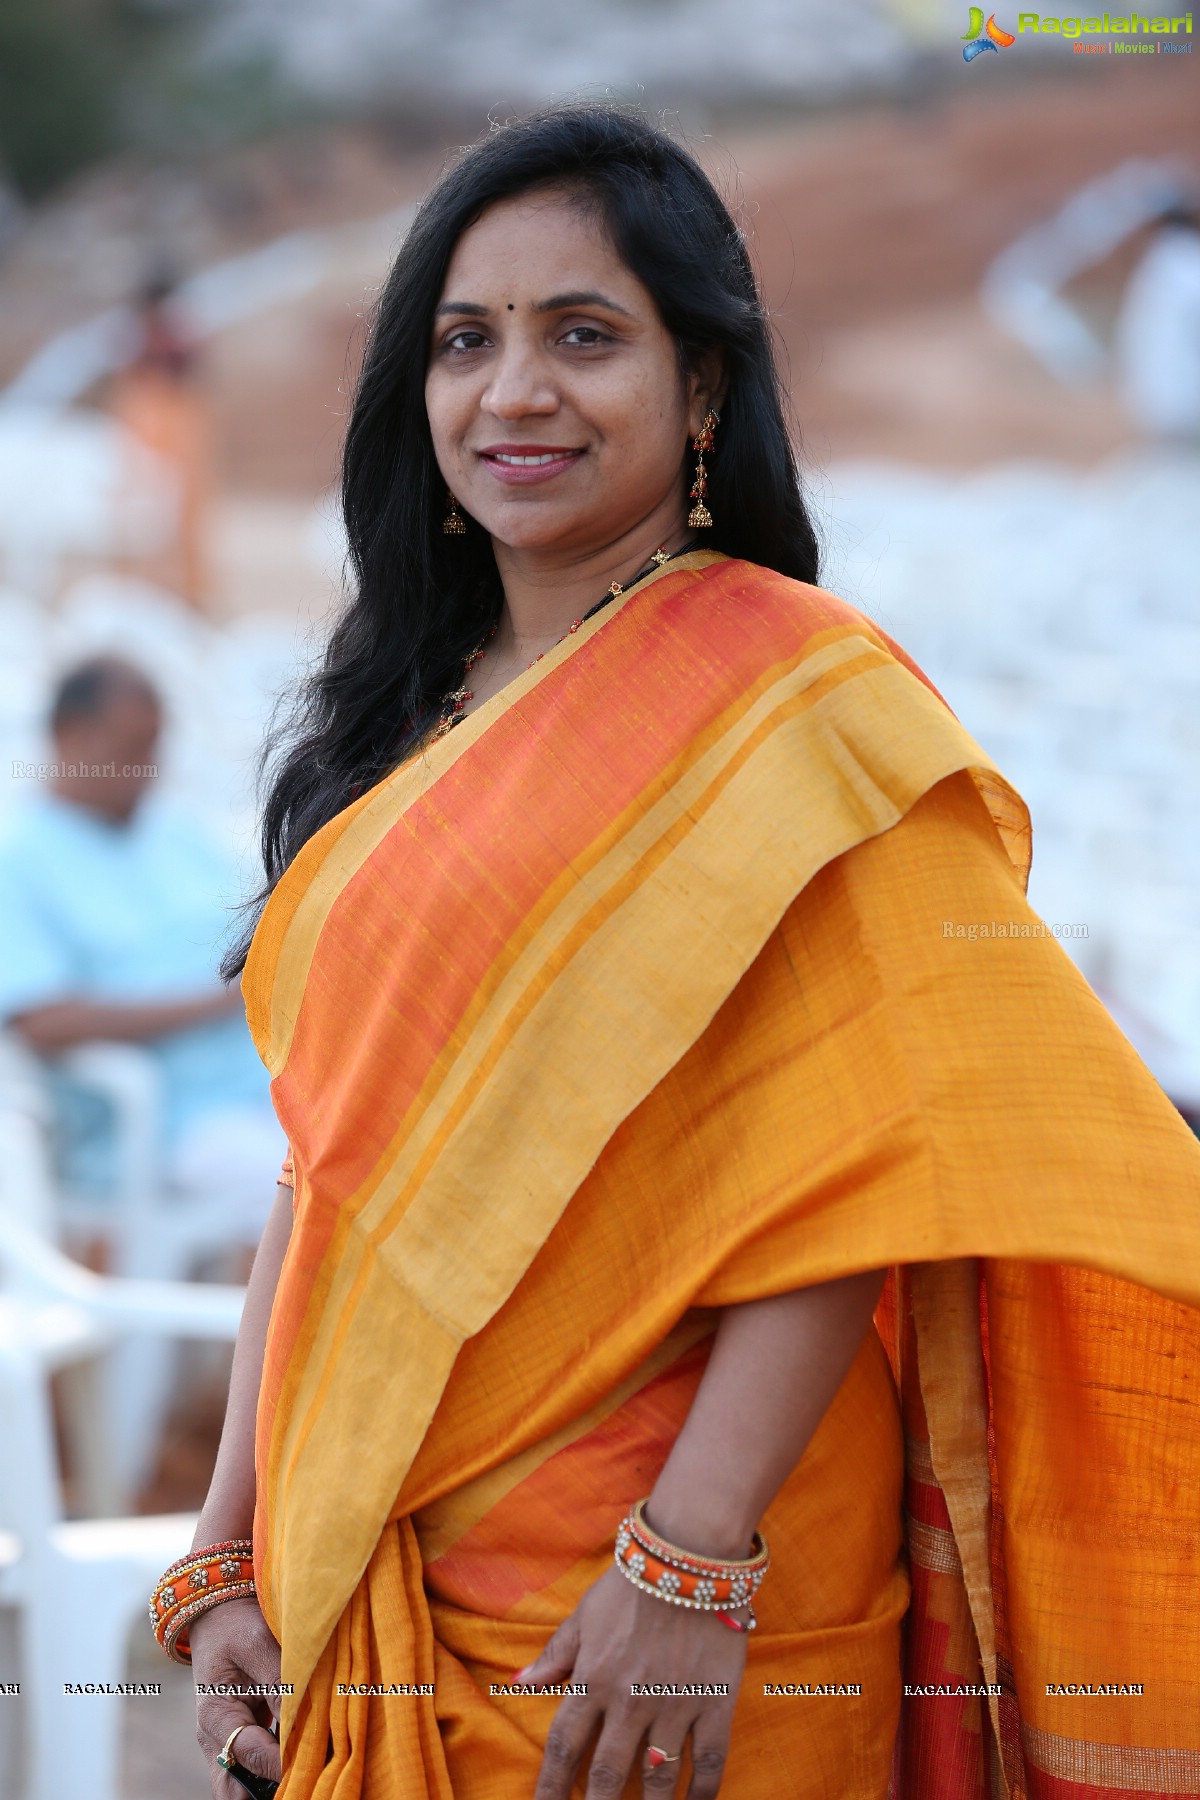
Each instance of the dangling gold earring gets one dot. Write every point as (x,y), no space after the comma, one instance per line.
(700,518)
(454,525)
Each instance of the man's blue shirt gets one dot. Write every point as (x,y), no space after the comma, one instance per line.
(133,914)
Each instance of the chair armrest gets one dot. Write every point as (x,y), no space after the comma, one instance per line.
(173,1309)
(33,1270)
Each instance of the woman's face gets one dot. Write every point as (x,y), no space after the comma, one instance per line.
(560,415)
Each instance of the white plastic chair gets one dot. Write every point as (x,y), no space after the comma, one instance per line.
(149,1234)
(150,1231)
(77,1585)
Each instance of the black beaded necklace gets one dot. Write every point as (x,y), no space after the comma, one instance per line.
(454,705)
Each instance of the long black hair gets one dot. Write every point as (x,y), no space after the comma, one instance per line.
(420,600)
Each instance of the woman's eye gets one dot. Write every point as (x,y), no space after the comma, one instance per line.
(585,336)
(464,340)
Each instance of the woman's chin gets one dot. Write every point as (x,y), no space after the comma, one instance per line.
(535,527)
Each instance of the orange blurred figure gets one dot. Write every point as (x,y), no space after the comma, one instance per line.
(159,399)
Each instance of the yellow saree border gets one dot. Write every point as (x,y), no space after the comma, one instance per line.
(639,949)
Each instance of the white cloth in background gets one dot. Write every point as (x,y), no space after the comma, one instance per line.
(1158,337)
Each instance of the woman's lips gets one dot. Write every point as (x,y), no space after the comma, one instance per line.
(517,465)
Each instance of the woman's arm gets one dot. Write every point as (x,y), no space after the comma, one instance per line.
(62,1024)
(775,1366)
(231,1643)
(229,1509)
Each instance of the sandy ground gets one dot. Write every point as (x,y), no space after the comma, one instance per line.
(872,228)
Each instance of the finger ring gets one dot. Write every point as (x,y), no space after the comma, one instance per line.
(225,1759)
(656,1757)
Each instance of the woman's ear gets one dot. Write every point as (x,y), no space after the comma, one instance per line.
(708,383)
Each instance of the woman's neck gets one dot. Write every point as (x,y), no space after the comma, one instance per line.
(545,591)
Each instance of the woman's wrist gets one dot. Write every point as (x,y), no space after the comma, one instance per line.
(193,1585)
(706,1524)
(228,1509)
(222,1525)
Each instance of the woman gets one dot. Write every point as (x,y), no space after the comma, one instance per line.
(617,985)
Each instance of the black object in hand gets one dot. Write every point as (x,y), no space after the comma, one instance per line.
(259,1785)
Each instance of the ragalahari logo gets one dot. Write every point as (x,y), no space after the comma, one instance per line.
(993,37)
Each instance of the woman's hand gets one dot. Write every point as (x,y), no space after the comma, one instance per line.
(232,1646)
(231,1643)
(775,1366)
(618,1638)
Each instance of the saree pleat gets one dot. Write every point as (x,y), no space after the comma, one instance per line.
(349,1746)
(602,1019)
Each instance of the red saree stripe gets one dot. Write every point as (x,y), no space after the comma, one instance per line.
(926,1504)
(942,1735)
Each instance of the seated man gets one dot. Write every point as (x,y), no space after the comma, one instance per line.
(112,917)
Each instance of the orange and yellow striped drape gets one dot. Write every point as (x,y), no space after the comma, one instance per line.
(634,998)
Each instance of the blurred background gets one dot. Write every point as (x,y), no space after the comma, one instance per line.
(984,273)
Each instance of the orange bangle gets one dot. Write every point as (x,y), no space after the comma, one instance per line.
(194,1584)
(708,1584)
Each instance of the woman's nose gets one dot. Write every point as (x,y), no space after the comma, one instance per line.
(520,383)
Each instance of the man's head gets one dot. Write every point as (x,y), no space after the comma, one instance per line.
(105,718)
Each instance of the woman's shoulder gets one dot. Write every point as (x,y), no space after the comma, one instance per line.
(787,616)
(777,601)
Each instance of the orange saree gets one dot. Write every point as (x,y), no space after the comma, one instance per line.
(640,995)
